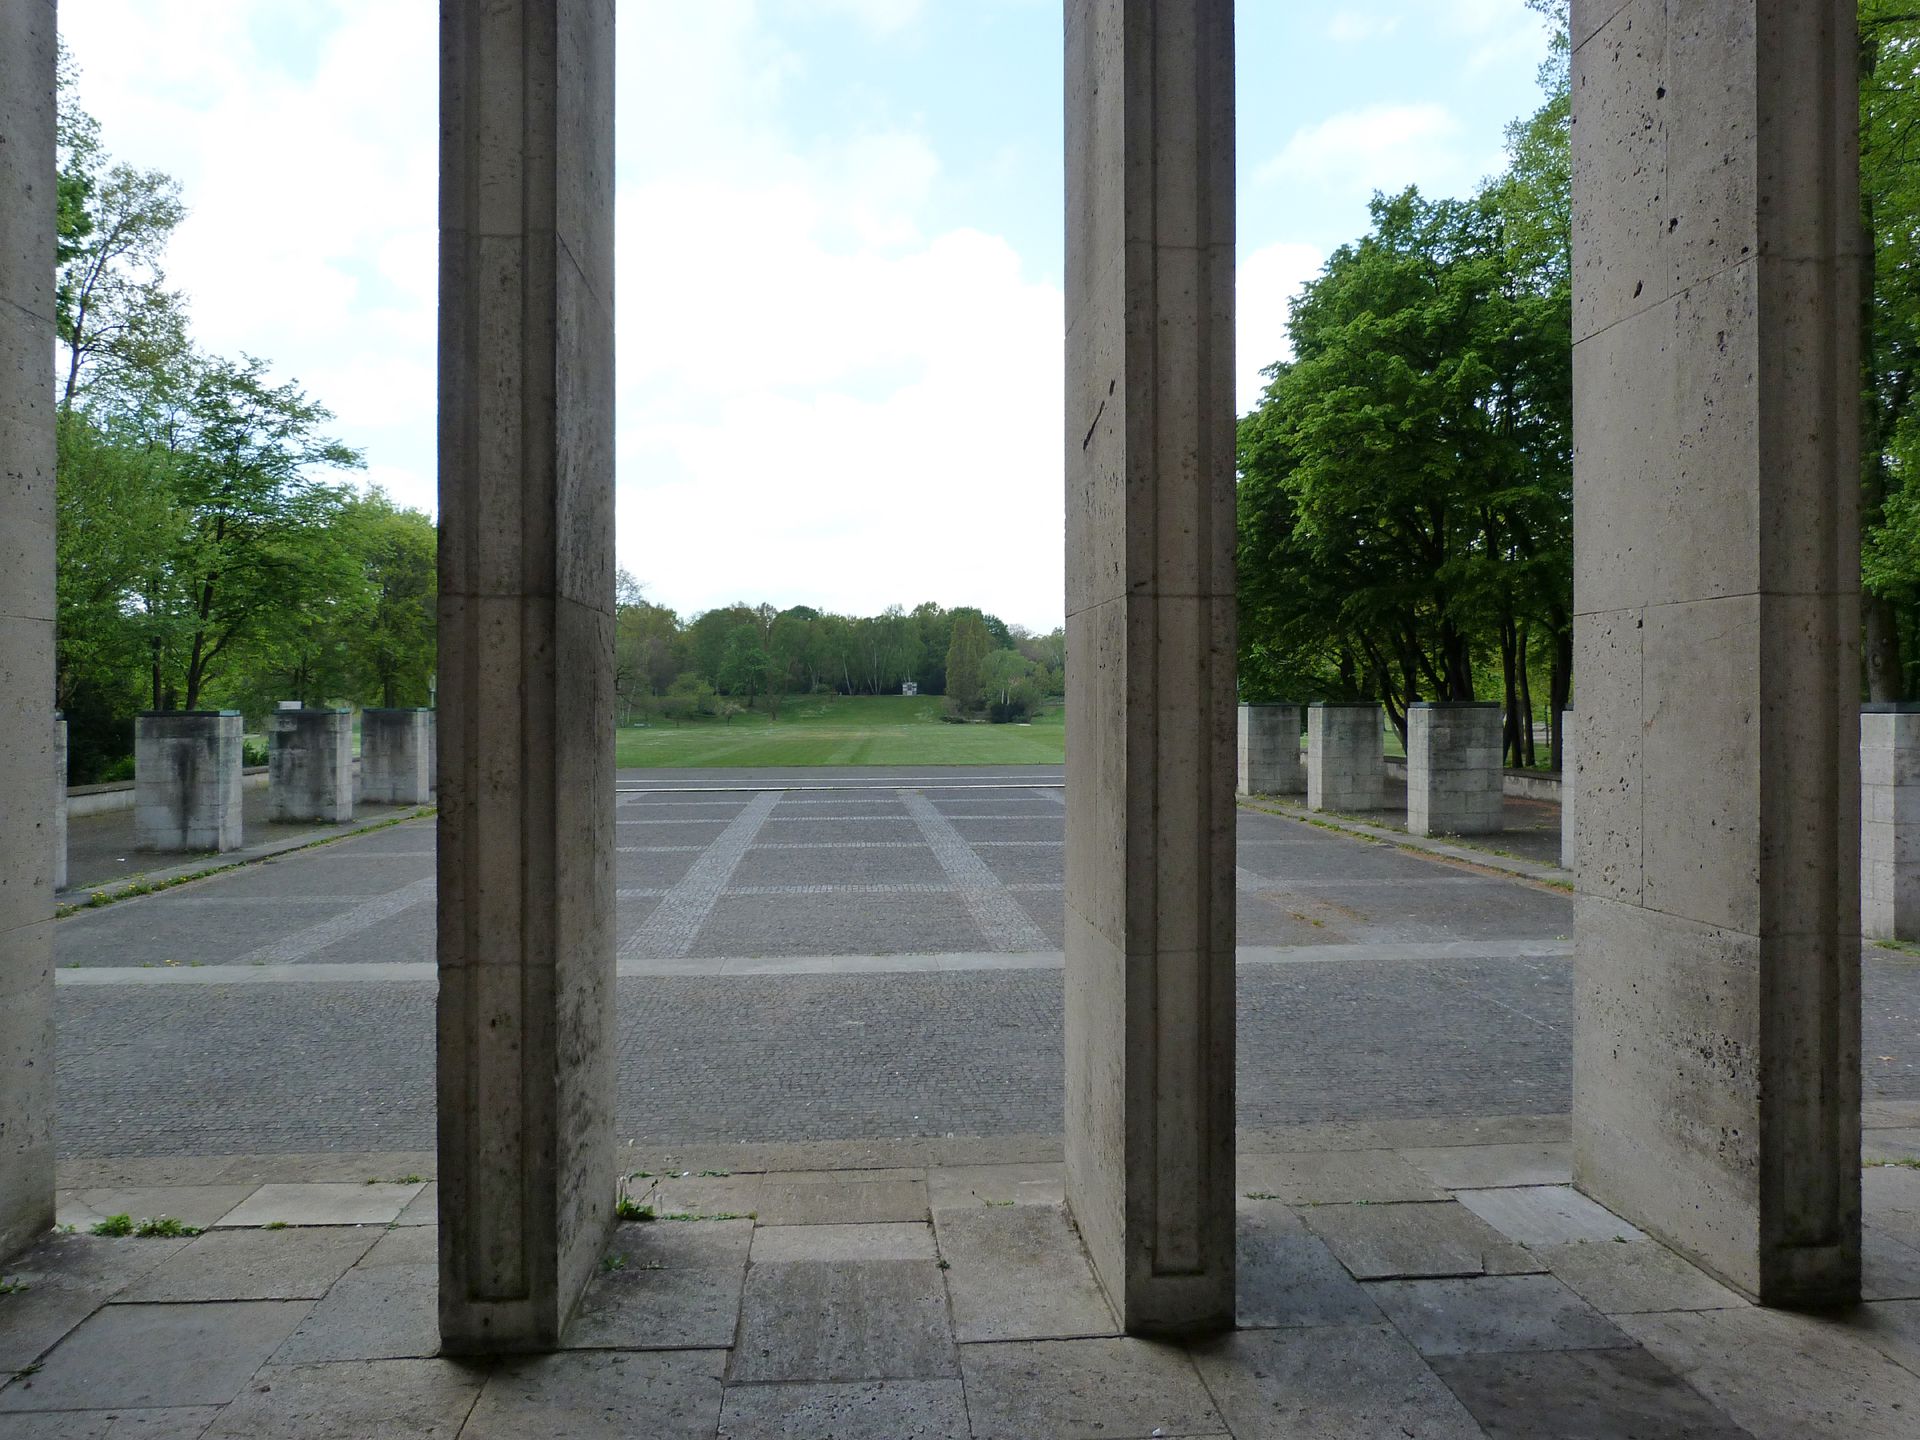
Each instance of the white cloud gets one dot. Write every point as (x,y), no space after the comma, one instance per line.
(821,399)
(1380,147)
(1268,279)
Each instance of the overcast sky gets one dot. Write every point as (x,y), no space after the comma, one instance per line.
(839,240)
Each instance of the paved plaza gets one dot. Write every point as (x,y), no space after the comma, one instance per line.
(840,1061)
(865,955)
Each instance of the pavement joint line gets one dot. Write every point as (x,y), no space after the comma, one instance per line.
(658,849)
(1001,918)
(340,927)
(79,898)
(1550,876)
(725,967)
(859,786)
(670,930)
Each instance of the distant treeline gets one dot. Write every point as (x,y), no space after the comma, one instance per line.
(753,656)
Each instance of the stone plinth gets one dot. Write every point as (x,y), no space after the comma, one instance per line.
(1569,758)
(394,749)
(59,803)
(1890,822)
(1149,444)
(186,779)
(1454,775)
(526,850)
(310,764)
(1346,762)
(1717,260)
(1270,761)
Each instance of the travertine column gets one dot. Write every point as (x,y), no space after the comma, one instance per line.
(1456,784)
(1569,758)
(1717,257)
(310,764)
(26,619)
(1346,764)
(1890,822)
(1270,751)
(394,755)
(526,1083)
(1150,616)
(59,803)
(186,780)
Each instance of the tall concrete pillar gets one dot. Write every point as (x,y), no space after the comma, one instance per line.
(1890,822)
(186,780)
(1270,751)
(59,802)
(526,1082)
(1456,784)
(1346,764)
(1569,758)
(310,764)
(394,750)
(1150,616)
(1717,258)
(26,619)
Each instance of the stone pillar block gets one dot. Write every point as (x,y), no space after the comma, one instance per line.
(310,764)
(1455,779)
(59,802)
(1569,759)
(394,746)
(1151,678)
(1270,761)
(26,621)
(526,897)
(1890,822)
(186,780)
(1717,260)
(1346,760)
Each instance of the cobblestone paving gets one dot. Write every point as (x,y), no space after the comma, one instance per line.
(1381,983)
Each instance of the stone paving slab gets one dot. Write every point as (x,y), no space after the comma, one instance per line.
(1635,1277)
(1539,1215)
(1582,1395)
(324,1203)
(1487,1167)
(845,1320)
(187,1355)
(668,1285)
(1107,1389)
(58,1283)
(602,1397)
(1785,1377)
(1333,1177)
(1289,1280)
(1494,1313)
(1017,1272)
(774,1244)
(855,1410)
(180,1423)
(1423,1240)
(393,1399)
(373,1312)
(195,1205)
(253,1265)
(1329,1384)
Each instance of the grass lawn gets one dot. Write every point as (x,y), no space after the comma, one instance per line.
(843,730)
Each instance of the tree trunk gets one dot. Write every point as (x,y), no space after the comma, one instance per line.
(1527,753)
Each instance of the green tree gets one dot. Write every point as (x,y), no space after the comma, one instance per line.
(966,663)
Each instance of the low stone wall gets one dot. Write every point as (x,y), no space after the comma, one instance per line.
(1522,784)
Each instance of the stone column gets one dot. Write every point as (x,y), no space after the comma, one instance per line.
(26,619)
(1346,763)
(1455,781)
(1270,751)
(59,802)
(1150,616)
(186,780)
(310,764)
(526,1080)
(1890,822)
(393,757)
(1717,263)
(1569,758)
